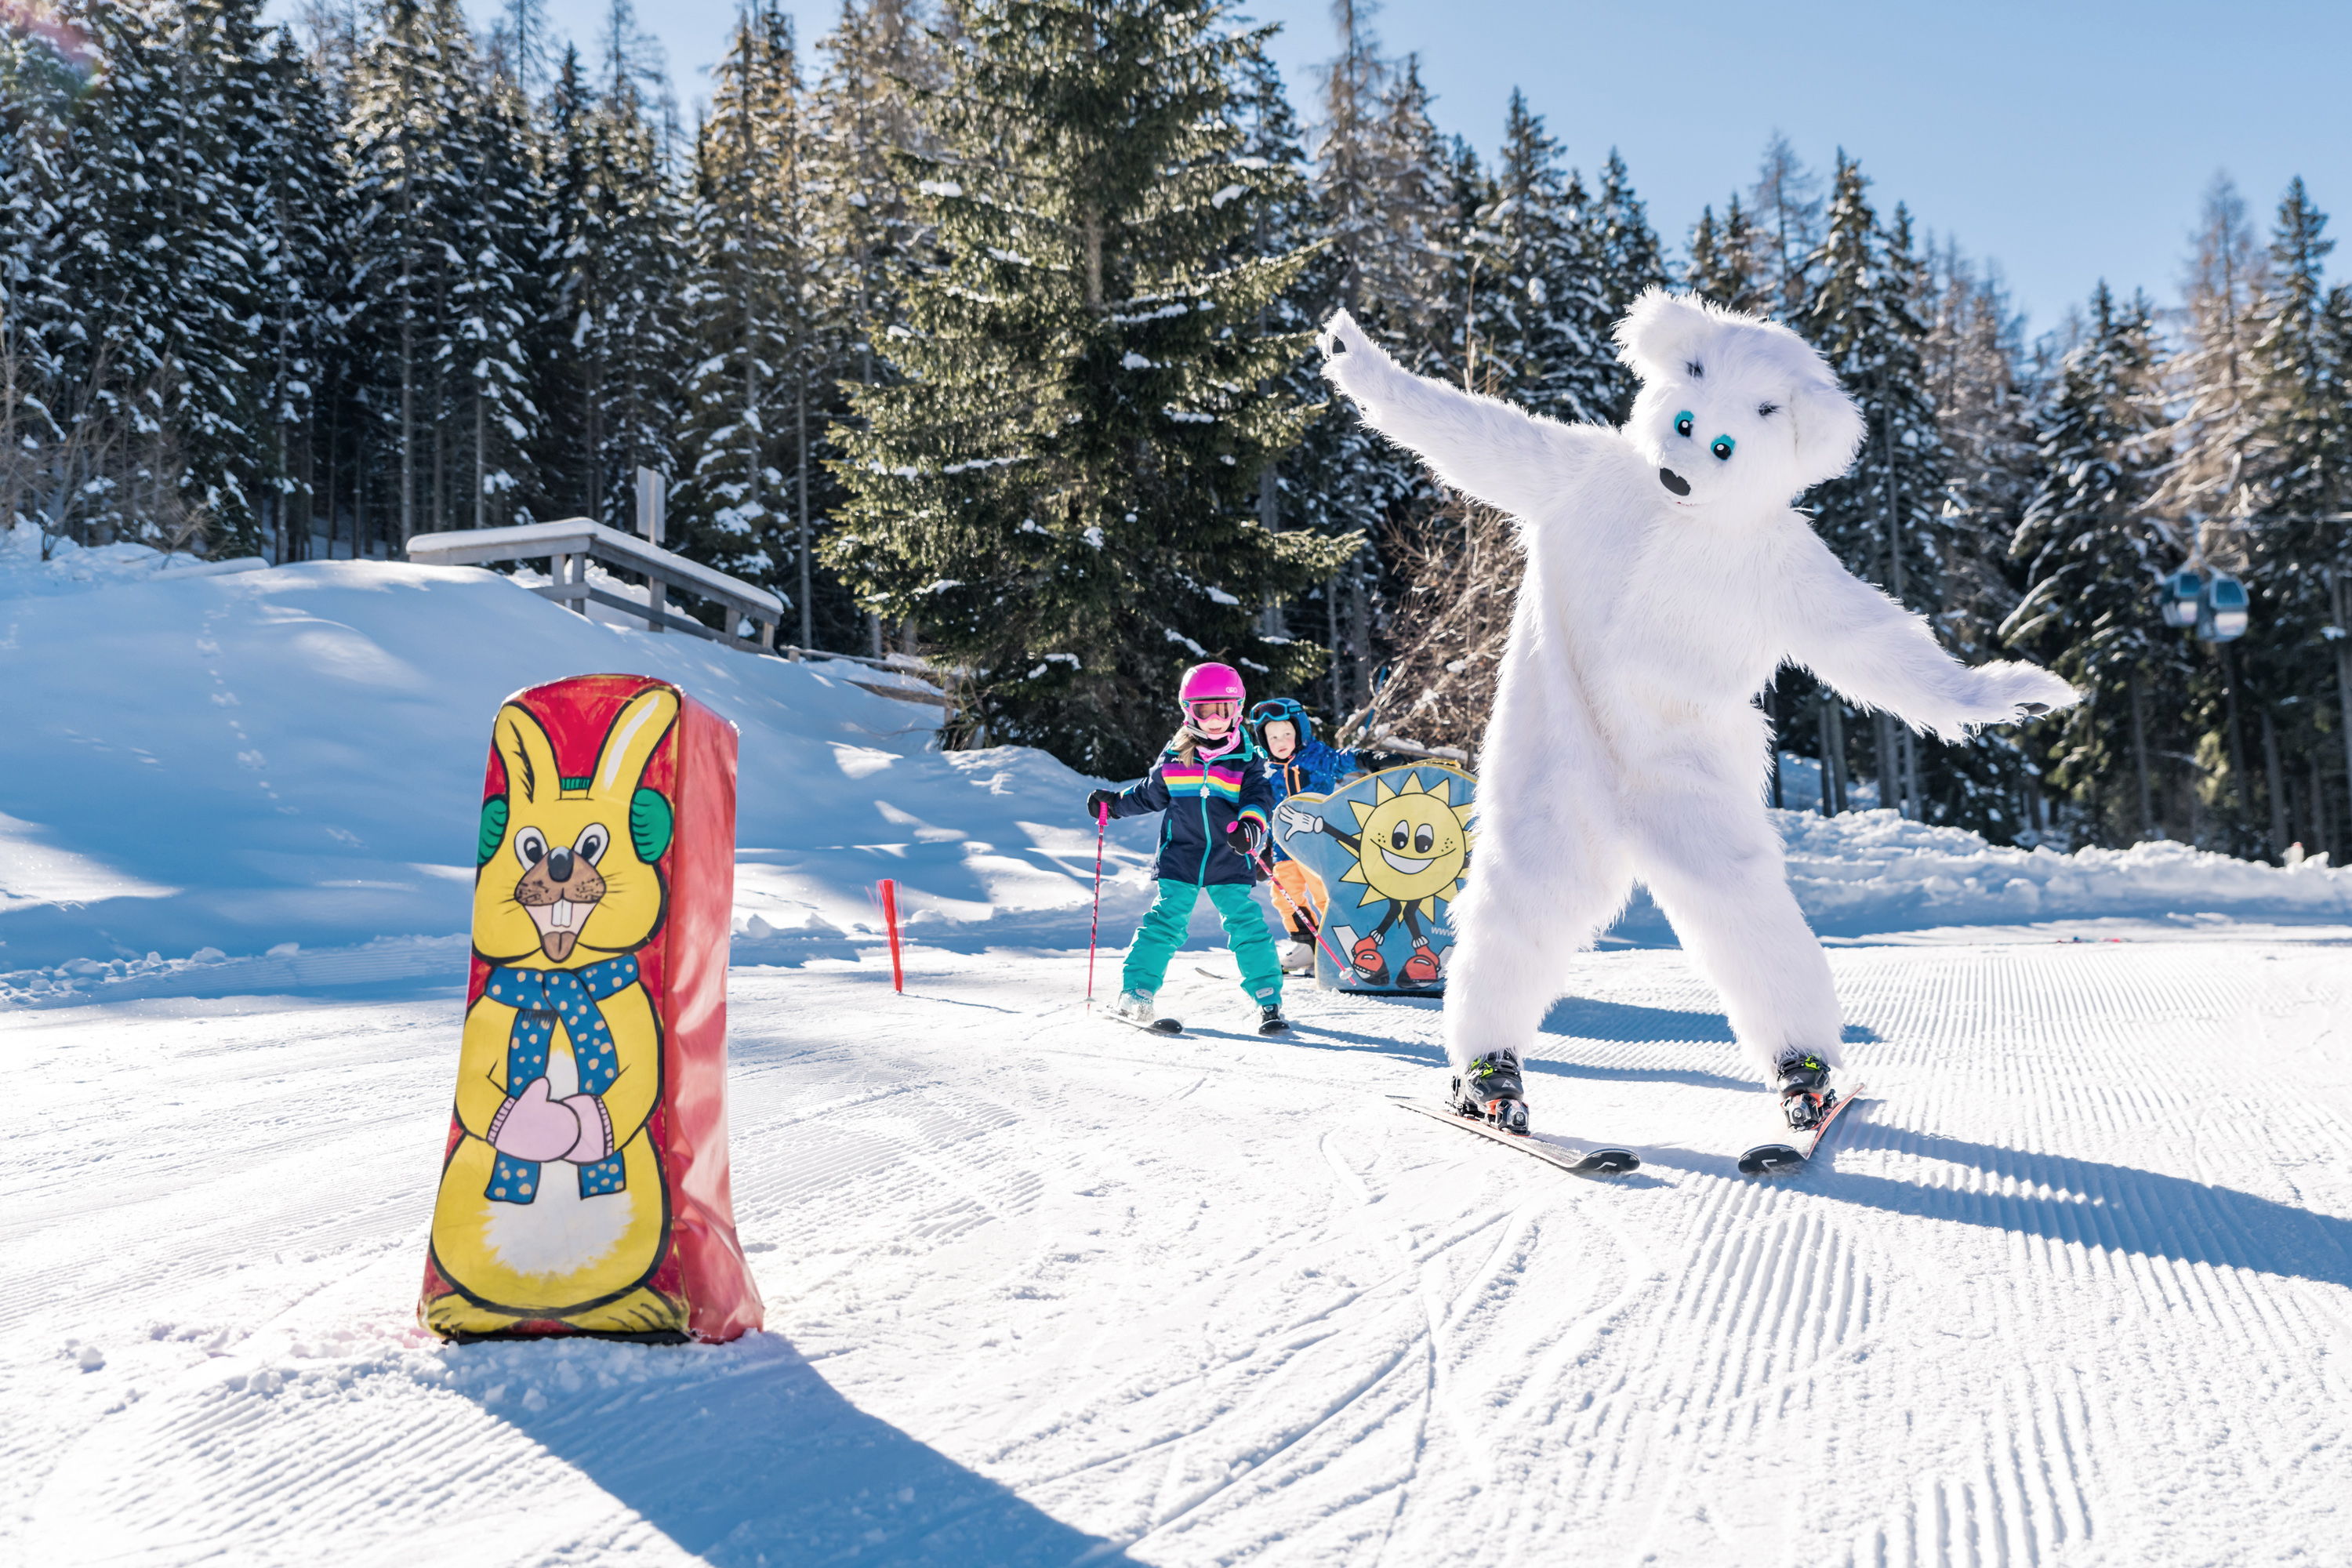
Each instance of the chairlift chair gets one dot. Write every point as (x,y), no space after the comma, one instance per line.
(2180,596)
(2224,616)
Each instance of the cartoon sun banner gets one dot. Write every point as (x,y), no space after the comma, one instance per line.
(1392,848)
(584,1181)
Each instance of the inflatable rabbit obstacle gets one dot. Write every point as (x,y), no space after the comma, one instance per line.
(585,1185)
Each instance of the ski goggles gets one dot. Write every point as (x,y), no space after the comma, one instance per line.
(1213,708)
(1274,708)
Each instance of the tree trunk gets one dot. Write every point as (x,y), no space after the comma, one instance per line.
(1890,768)
(2147,827)
(2272,781)
(2240,798)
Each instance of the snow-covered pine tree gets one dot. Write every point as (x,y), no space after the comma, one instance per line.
(1726,262)
(493,301)
(1291,493)
(1539,321)
(406,141)
(42,71)
(1622,253)
(1061,487)
(1884,517)
(2092,560)
(745,314)
(2213,388)
(610,362)
(884,61)
(297,221)
(1387,182)
(2300,486)
(1786,202)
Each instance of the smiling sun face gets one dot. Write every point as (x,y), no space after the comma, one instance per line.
(1413,845)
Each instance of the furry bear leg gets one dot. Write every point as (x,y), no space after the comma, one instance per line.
(1521,921)
(1715,868)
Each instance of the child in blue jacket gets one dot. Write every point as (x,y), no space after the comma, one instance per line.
(1217,802)
(1298,764)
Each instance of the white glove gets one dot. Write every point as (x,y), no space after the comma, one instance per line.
(1298,819)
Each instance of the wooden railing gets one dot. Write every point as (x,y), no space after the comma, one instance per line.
(574,542)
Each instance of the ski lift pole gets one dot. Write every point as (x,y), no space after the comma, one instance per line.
(1093,924)
(890,919)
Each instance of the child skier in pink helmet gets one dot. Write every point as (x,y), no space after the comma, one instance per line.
(1213,837)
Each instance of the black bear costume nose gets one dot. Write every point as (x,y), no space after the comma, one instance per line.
(1666,476)
(559,865)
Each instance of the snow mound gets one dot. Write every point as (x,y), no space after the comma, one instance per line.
(71,568)
(239,762)
(1873,871)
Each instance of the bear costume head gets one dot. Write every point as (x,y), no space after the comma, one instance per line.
(1736,412)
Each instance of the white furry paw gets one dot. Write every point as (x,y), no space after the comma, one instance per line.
(1340,337)
(2016,692)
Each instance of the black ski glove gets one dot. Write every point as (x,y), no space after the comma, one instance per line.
(1247,837)
(1097,800)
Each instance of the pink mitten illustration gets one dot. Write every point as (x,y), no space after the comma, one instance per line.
(596,1129)
(532,1127)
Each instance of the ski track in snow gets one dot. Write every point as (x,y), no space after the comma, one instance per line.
(2073,1284)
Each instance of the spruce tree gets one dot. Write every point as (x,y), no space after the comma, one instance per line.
(1538,317)
(745,317)
(1884,517)
(1060,488)
(2092,561)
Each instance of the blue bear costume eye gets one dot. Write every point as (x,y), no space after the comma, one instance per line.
(1721,447)
(1683,423)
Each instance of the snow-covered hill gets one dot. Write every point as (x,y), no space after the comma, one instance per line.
(223,763)
(2074,1286)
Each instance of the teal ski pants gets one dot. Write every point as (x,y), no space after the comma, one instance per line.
(1162,933)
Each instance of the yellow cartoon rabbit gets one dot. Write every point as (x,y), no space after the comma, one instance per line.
(553,1206)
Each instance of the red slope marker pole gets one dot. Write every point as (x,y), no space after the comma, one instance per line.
(1094,925)
(890,919)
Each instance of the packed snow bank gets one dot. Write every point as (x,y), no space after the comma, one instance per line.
(238,763)
(208,767)
(73,569)
(1873,871)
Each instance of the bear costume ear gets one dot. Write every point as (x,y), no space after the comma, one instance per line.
(1828,427)
(1662,333)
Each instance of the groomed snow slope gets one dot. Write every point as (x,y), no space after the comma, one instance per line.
(2075,1288)
(2074,1285)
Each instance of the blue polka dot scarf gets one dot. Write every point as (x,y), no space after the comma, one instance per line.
(541,997)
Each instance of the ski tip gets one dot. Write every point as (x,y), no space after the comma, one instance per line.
(1770,1160)
(1609,1161)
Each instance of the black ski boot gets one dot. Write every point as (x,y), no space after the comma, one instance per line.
(1491,1092)
(1270,1020)
(1803,1079)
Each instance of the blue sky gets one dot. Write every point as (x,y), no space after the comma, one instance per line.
(2069,139)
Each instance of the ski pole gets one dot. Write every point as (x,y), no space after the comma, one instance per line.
(1102,826)
(1271,881)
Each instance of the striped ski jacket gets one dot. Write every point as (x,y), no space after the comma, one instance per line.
(1201,800)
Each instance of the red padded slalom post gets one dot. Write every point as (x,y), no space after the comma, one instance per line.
(585,1185)
(890,919)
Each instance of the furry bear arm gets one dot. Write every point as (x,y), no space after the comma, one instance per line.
(1480,446)
(1882,655)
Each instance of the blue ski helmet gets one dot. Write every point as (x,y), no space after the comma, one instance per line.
(1285,708)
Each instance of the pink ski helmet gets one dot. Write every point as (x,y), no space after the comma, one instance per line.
(1213,683)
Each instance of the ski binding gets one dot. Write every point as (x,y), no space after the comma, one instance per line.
(1786,1159)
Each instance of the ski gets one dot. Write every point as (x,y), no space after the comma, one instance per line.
(1779,1159)
(1583,1161)
(1156,1026)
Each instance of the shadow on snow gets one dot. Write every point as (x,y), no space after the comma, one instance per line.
(744,1453)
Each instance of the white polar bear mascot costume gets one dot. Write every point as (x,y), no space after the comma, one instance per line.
(1668,576)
